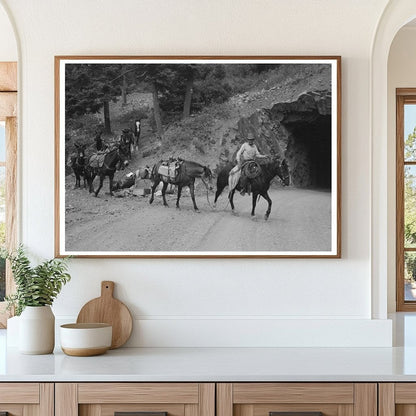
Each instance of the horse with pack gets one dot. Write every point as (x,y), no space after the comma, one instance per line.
(77,161)
(104,164)
(181,173)
(259,174)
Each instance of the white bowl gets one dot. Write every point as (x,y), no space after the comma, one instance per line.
(83,340)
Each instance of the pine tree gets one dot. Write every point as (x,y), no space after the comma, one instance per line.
(90,88)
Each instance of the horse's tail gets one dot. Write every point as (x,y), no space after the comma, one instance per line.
(154,171)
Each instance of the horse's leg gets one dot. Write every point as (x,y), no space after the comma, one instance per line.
(137,140)
(100,185)
(231,199)
(265,195)
(179,196)
(111,177)
(77,180)
(253,204)
(192,189)
(90,179)
(165,185)
(154,186)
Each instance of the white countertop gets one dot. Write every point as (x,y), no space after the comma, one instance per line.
(221,364)
(215,364)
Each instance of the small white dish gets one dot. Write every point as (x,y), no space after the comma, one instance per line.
(84,340)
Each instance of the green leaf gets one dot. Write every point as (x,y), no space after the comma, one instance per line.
(35,286)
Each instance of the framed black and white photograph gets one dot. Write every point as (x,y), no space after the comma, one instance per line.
(198,156)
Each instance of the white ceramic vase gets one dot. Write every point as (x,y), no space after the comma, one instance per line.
(37,330)
(12,334)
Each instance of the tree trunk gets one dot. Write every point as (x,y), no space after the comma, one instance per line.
(107,125)
(124,91)
(188,98)
(156,109)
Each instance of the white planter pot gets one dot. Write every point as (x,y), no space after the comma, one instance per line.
(37,330)
(12,334)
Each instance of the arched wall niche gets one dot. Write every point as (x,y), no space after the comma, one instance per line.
(396,15)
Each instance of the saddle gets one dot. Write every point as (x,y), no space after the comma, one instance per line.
(97,159)
(169,169)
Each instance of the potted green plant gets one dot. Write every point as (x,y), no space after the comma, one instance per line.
(36,289)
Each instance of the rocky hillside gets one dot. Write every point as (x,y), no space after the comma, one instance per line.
(290,117)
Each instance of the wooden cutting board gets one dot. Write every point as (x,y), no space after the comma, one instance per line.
(109,310)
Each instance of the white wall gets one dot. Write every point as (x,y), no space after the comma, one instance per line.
(401,74)
(203,302)
(8,46)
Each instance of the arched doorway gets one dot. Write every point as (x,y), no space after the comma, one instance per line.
(396,15)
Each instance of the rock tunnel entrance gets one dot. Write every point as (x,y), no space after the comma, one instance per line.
(299,131)
(309,152)
(306,123)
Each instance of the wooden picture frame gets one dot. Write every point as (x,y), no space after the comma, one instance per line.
(200,109)
(405,301)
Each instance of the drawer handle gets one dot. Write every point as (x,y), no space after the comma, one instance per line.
(139,414)
(295,413)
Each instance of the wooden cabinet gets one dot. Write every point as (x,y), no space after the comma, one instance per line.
(208,399)
(27,399)
(107,399)
(397,399)
(264,399)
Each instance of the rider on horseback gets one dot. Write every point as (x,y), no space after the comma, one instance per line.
(248,152)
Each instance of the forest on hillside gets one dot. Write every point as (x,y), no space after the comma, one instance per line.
(177,90)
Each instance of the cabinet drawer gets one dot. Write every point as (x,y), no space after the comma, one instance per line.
(138,393)
(21,399)
(397,399)
(146,399)
(297,399)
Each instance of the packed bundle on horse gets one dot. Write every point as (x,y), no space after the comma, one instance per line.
(169,169)
(251,169)
(97,159)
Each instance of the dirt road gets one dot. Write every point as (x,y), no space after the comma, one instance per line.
(300,221)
